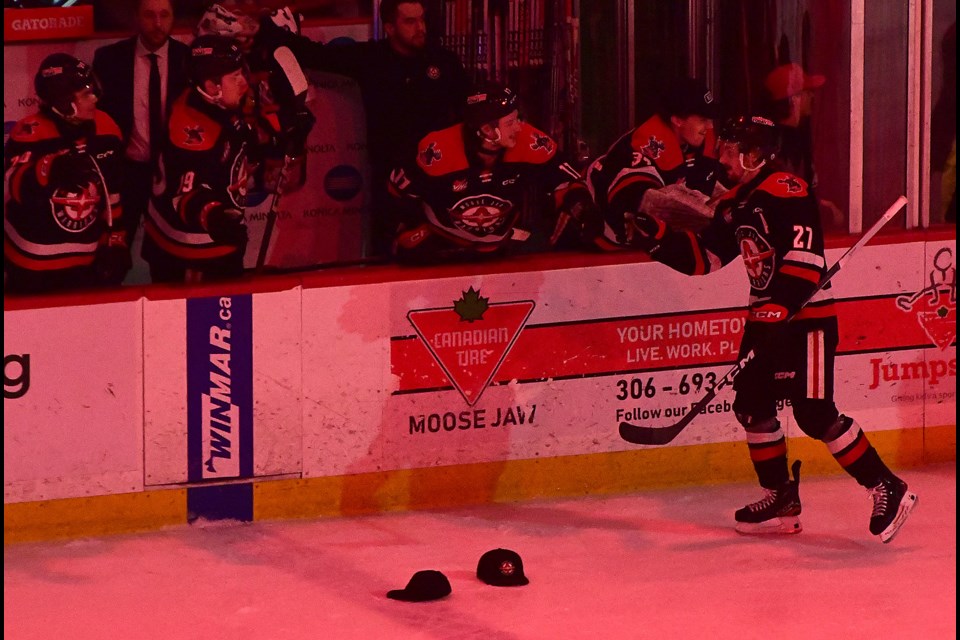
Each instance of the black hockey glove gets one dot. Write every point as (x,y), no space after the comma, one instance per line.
(72,168)
(226,226)
(579,222)
(296,128)
(643,230)
(276,29)
(112,261)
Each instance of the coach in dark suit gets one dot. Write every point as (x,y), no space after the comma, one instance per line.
(141,77)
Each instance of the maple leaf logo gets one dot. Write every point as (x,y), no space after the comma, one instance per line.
(471,306)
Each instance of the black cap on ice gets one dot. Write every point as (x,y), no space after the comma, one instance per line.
(501,568)
(423,586)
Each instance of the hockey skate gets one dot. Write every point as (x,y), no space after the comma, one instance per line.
(892,503)
(776,512)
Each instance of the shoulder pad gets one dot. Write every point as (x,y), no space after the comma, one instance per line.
(784,185)
(442,152)
(191,129)
(533,146)
(106,126)
(657,141)
(34,128)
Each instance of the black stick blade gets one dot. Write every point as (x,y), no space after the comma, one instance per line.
(649,435)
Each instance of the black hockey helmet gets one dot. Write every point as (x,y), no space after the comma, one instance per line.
(59,77)
(750,133)
(212,57)
(492,102)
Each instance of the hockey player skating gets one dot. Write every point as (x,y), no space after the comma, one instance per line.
(460,197)
(770,219)
(62,193)
(195,229)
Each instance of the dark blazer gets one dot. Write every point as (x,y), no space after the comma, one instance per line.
(113,65)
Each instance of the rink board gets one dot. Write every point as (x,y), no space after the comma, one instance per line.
(394,391)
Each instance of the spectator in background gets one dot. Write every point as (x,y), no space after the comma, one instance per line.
(409,88)
(141,77)
(791,92)
(195,229)
(62,165)
(675,146)
(458,195)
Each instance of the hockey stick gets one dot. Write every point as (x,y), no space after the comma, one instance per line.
(293,73)
(638,434)
(272,216)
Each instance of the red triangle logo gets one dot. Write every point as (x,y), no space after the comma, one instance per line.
(940,326)
(470,340)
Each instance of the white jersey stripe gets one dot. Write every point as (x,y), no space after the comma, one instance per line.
(804,257)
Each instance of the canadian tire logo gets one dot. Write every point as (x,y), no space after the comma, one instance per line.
(935,305)
(471,339)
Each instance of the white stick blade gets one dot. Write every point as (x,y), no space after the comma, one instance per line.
(291,68)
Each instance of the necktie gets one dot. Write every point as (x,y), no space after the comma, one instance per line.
(156,120)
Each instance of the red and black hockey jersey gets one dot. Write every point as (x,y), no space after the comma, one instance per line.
(647,157)
(205,166)
(62,191)
(772,222)
(450,204)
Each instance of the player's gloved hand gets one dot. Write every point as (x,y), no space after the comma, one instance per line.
(112,261)
(643,230)
(70,167)
(226,226)
(276,29)
(579,222)
(296,128)
(286,19)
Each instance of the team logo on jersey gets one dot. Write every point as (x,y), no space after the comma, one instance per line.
(653,148)
(935,305)
(481,215)
(429,155)
(194,134)
(470,340)
(239,178)
(791,184)
(459,185)
(758,257)
(76,208)
(433,72)
(541,141)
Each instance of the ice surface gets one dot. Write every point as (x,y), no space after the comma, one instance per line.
(663,564)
